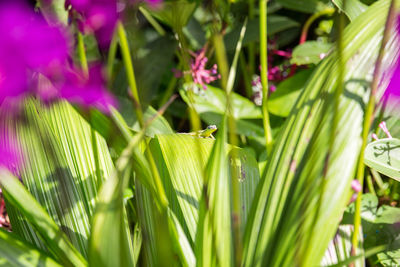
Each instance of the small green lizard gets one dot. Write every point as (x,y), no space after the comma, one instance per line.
(206,133)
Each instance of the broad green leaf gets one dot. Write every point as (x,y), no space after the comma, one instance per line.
(158,126)
(175,13)
(60,169)
(184,184)
(19,253)
(353,7)
(110,241)
(56,241)
(379,227)
(214,240)
(384,156)
(213,100)
(210,104)
(282,101)
(310,52)
(295,213)
(306,6)
(163,236)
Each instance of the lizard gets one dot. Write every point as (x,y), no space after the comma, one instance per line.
(206,133)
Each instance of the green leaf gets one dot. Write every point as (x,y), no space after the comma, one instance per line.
(110,240)
(384,156)
(210,105)
(158,126)
(175,13)
(310,52)
(353,8)
(213,100)
(56,241)
(60,169)
(282,101)
(19,253)
(379,227)
(300,202)
(186,183)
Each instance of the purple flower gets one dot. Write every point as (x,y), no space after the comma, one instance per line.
(86,90)
(10,154)
(393,88)
(27,44)
(96,16)
(200,74)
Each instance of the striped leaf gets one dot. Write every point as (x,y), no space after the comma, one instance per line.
(16,252)
(296,213)
(60,169)
(55,239)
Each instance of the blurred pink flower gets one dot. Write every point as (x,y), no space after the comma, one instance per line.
(10,154)
(96,16)
(200,74)
(86,90)
(356,187)
(27,43)
(393,88)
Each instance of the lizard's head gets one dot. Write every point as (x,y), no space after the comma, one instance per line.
(211,127)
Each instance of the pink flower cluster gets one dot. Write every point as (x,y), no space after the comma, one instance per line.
(35,61)
(200,74)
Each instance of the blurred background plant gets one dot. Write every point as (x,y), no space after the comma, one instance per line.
(96,93)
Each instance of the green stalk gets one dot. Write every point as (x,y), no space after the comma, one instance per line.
(111,57)
(264,72)
(368,117)
(310,20)
(220,53)
(152,21)
(236,222)
(246,75)
(130,73)
(371,188)
(81,52)
(252,48)
(126,55)
(84,65)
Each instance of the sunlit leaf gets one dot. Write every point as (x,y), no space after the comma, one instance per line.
(384,156)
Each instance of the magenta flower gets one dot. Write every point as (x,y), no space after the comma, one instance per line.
(393,88)
(356,187)
(86,90)
(200,74)
(10,155)
(27,44)
(96,16)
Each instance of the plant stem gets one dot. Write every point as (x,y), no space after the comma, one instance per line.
(130,73)
(328,11)
(251,46)
(368,117)
(220,53)
(139,113)
(264,72)
(111,57)
(84,65)
(246,75)
(81,52)
(152,21)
